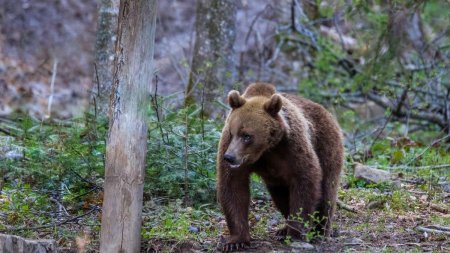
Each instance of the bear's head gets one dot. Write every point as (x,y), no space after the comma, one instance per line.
(255,125)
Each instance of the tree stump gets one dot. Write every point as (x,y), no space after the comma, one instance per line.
(16,244)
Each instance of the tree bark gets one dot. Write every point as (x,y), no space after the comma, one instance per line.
(127,138)
(104,55)
(213,69)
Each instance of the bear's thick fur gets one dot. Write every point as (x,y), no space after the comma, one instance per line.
(294,144)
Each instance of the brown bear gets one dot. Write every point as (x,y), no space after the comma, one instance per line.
(294,145)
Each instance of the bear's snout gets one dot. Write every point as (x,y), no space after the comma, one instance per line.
(231,159)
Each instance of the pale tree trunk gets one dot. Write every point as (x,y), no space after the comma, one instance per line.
(104,55)
(213,69)
(127,138)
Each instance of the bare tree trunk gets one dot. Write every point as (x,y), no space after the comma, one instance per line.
(406,34)
(104,54)
(213,68)
(127,138)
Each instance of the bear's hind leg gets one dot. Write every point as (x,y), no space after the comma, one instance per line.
(303,201)
(327,206)
(280,197)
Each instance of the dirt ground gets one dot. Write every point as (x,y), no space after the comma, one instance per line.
(366,230)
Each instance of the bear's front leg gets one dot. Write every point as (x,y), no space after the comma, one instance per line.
(233,192)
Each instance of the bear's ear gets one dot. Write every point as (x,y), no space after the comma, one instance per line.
(235,100)
(273,106)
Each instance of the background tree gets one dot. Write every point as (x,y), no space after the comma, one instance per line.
(127,138)
(415,85)
(213,67)
(104,54)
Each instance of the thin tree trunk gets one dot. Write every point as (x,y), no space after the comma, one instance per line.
(127,138)
(213,68)
(104,54)
(406,34)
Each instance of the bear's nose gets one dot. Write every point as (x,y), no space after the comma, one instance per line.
(229,158)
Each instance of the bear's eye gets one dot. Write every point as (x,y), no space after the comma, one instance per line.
(246,138)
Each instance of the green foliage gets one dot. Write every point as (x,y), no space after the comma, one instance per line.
(21,205)
(55,154)
(309,225)
(54,167)
(182,149)
(400,200)
(174,221)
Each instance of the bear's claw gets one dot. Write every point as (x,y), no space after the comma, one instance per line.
(230,247)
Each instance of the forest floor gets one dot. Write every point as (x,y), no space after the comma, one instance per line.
(375,222)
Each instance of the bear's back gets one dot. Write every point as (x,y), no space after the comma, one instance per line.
(259,89)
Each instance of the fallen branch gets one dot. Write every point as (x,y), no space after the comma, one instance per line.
(428,167)
(435,229)
(428,116)
(438,208)
(346,207)
(441,166)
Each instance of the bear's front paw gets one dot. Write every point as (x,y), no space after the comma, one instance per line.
(281,233)
(233,243)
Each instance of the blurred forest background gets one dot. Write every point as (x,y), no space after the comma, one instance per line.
(381,67)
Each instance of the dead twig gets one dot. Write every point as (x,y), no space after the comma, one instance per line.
(427,148)
(154,100)
(428,167)
(55,224)
(346,207)
(247,36)
(7,132)
(60,206)
(52,87)
(435,229)
(380,131)
(420,115)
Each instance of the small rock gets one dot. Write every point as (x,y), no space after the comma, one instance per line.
(371,174)
(302,245)
(257,217)
(193,229)
(444,184)
(397,183)
(14,154)
(272,222)
(447,188)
